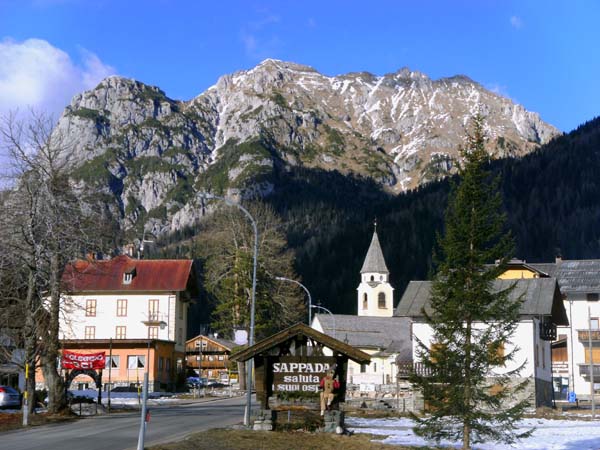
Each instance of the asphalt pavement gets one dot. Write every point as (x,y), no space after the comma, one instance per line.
(120,431)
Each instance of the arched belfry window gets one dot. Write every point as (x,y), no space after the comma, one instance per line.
(381,300)
(372,278)
(365,301)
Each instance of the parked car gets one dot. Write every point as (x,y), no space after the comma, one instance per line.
(9,397)
(195,382)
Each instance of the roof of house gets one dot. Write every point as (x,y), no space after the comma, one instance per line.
(374,261)
(294,331)
(575,275)
(108,275)
(222,342)
(540,297)
(536,268)
(389,335)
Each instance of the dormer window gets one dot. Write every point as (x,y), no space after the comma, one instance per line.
(128,276)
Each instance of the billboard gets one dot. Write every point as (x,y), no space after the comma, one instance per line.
(72,360)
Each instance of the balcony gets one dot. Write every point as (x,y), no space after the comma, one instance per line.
(584,335)
(407,368)
(584,370)
(155,319)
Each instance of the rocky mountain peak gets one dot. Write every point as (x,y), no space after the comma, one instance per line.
(401,129)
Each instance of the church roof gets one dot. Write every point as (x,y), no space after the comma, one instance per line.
(374,261)
(388,335)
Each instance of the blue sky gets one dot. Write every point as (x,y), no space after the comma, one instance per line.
(542,54)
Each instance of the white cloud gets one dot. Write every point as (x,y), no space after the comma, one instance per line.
(516,22)
(36,74)
(258,38)
(500,89)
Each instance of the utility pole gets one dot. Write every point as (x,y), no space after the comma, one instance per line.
(249,363)
(110,372)
(591,363)
(25,399)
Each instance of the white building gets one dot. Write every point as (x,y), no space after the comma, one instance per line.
(373,330)
(579,282)
(134,310)
(541,311)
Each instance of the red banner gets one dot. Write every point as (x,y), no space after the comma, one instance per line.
(72,360)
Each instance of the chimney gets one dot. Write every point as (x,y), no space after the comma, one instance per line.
(558,259)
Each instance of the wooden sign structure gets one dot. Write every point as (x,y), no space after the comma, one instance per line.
(294,361)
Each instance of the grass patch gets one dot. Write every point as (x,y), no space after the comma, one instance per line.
(10,421)
(279,99)
(216,177)
(227,439)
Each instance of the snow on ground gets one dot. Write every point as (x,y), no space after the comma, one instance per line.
(548,434)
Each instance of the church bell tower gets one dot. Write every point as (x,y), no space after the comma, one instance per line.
(375,293)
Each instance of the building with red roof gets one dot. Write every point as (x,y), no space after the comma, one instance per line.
(135,310)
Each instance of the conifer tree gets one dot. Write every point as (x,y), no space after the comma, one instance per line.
(472,322)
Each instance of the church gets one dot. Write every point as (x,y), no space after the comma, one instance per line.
(387,334)
(374,329)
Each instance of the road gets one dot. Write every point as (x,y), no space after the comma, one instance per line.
(120,431)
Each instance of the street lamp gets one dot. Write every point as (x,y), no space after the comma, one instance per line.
(305,290)
(330,313)
(252,302)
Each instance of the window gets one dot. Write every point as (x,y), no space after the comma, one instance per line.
(113,362)
(372,278)
(121,332)
(365,301)
(128,276)
(122,307)
(168,365)
(161,363)
(592,297)
(594,323)
(180,307)
(153,309)
(90,308)
(221,358)
(381,300)
(363,368)
(136,361)
(152,332)
(595,355)
(90,332)
(374,367)
(180,336)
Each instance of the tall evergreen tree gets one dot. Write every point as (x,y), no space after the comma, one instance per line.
(472,322)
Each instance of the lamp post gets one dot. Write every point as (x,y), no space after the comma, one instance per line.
(252,301)
(305,290)
(330,313)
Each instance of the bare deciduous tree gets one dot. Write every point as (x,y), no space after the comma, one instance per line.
(225,242)
(45,222)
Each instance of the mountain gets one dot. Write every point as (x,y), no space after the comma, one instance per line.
(150,155)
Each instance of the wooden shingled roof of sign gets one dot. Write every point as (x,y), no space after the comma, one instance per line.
(302,330)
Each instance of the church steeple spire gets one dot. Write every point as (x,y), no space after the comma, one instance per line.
(374,261)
